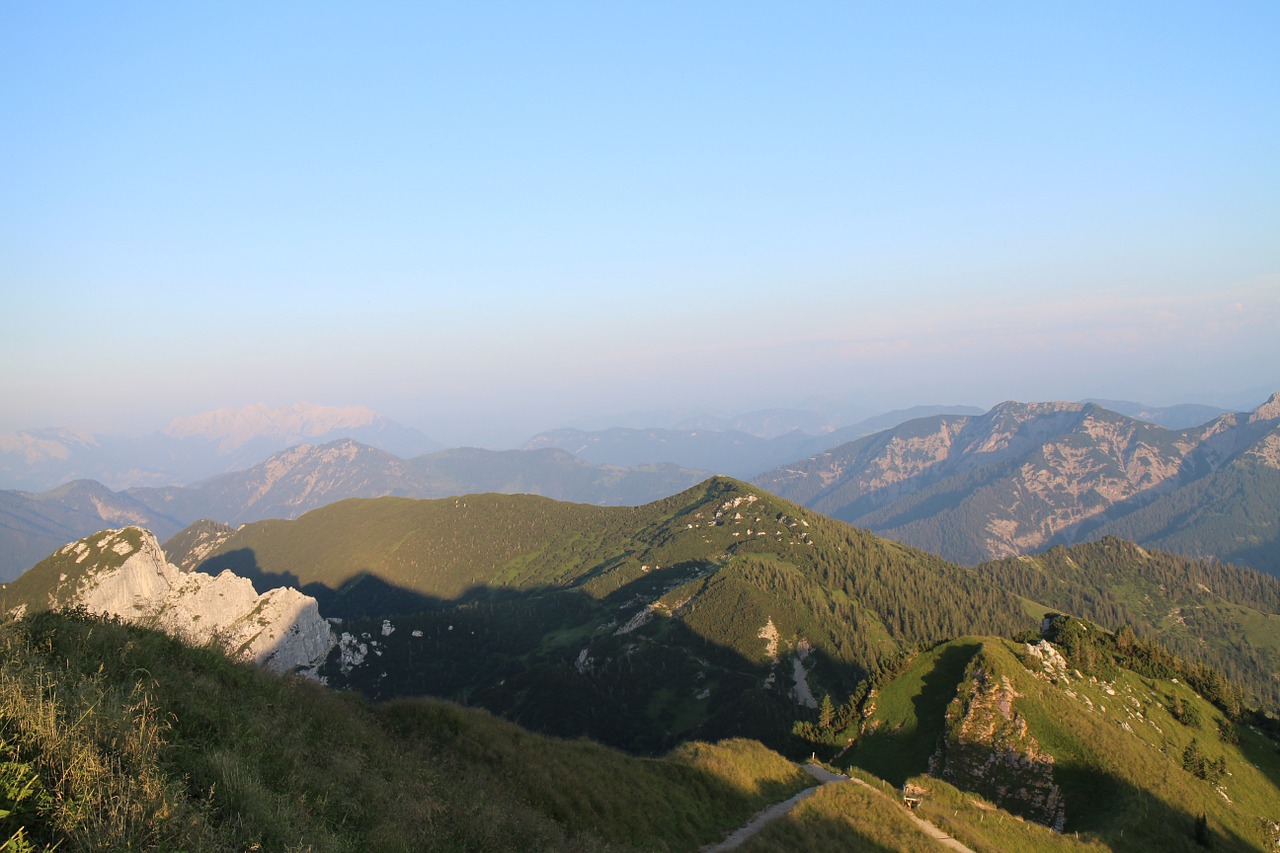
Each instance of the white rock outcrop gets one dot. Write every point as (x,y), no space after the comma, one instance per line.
(132,590)
(282,629)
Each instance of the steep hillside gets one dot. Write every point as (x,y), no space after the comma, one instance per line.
(722,610)
(1024,477)
(120,738)
(1229,514)
(1063,735)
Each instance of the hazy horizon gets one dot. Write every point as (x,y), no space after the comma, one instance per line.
(495,220)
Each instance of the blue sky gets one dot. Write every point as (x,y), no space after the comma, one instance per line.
(489,219)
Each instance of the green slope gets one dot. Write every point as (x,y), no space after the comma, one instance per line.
(118,738)
(1134,760)
(572,618)
(707,614)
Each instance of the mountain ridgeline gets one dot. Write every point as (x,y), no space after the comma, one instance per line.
(715,611)
(193,448)
(1027,476)
(720,611)
(730,451)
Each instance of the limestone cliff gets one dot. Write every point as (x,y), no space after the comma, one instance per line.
(989,748)
(125,573)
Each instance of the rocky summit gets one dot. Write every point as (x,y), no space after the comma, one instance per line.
(124,573)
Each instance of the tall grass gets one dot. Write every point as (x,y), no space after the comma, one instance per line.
(114,737)
(90,749)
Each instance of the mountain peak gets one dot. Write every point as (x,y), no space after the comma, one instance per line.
(1022,410)
(238,426)
(125,573)
(1270,410)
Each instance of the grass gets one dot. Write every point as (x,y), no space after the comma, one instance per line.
(910,713)
(843,816)
(129,740)
(1118,751)
(690,797)
(987,829)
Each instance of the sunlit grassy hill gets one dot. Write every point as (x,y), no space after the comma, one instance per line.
(1113,757)
(721,610)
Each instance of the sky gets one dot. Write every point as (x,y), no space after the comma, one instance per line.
(486,220)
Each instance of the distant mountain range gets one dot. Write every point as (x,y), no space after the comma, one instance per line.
(735,452)
(1025,476)
(1180,416)
(31,524)
(306,477)
(193,448)
(970,486)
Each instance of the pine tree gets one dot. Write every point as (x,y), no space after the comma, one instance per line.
(826,713)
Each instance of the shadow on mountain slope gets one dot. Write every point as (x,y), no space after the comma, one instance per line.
(559,661)
(899,753)
(365,596)
(1101,803)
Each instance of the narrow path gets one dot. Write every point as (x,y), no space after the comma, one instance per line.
(928,828)
(763,818)
(743,834)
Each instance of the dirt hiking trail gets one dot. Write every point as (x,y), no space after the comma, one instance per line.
(762,819)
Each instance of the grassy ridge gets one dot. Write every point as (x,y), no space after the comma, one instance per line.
(127,739)
(842,817)
(1125,753)
(543,596)
(640,627)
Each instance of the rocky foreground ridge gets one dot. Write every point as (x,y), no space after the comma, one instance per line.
(124,573)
